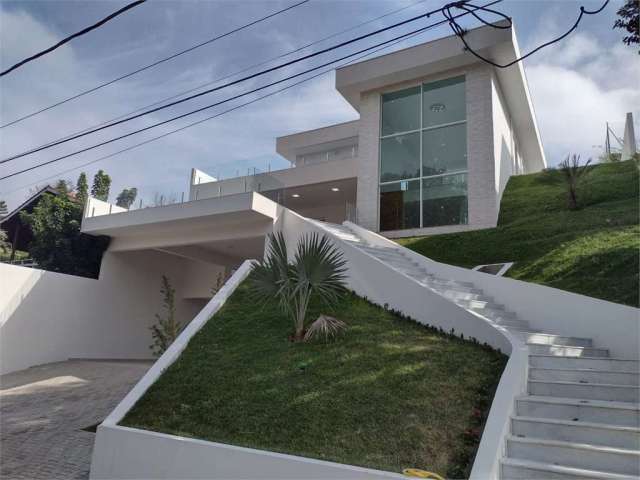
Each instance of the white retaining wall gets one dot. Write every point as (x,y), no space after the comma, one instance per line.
(610,325)
(122,452)
(48,317)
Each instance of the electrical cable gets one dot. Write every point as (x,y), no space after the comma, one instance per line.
(72,36)
(251,67)
(460,32)
(229,99)
(193,124)
(220,87)
(151,65)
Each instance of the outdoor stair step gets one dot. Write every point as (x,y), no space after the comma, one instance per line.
(584,362)
(511,322)
(552,339)
(459,290)
(592,391)
(480,305)
(579,455)
(501,317)
(455,295)
(517,469)
(583,410)
(579,432)
(567,350)
(584,376)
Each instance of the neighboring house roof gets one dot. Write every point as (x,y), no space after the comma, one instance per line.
(28,202)
(12,221)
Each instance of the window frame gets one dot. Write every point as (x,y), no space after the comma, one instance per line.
(420,131)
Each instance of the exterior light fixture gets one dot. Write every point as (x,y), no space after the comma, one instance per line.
(335,189)
(437,107)
(296,195)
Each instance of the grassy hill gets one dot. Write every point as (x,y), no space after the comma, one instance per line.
(388,393)
(593,251)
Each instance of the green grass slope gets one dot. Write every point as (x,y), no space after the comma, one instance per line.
(592,251)
(389,393)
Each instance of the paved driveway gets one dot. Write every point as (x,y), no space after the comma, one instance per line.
(44,409)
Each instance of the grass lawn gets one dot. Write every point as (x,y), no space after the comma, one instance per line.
(594,251)
(388,394)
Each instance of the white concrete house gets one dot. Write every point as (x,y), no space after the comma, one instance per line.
(439,135)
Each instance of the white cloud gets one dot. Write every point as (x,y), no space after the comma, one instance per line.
(578,85)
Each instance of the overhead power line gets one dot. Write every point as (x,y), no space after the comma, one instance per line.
(154,64)
(71,37)
(414,32)
(226,85)
(460,32)
(198,122)
(245,69)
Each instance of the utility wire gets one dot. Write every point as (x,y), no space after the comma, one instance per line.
(154,64)
(460,32)
(193,124)
(71,37)
(220,87)
(404,36)
(251,67)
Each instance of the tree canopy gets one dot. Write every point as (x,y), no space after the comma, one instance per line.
(58,245)
(101,186)
(629,20)
(126,198)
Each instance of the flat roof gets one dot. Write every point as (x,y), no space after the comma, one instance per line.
(497,44)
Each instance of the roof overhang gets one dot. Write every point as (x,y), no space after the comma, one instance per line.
(320,139)
(448,53)
(243,215)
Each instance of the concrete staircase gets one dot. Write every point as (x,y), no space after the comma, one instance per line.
(581,416)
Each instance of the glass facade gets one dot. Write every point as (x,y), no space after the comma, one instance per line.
(423,156)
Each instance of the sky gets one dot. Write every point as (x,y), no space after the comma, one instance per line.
(576,85)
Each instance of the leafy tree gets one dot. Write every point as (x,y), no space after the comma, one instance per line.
(629,20)
(3,209)
(58,245)
(317,271)
(63,186)
(127,197)
(167,328)
(82,189)
(101,185)
(5,246)
(574,173)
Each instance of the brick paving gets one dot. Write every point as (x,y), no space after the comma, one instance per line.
(44,409)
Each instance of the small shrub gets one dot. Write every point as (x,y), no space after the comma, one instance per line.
(574,173)
(167,328)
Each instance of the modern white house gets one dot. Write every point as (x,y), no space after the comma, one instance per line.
(440,133)
(438,137)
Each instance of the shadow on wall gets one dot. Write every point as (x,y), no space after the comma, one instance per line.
(48,317)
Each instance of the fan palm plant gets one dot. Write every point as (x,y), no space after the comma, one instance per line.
(318,270)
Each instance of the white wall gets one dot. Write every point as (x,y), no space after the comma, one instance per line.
(47,317)
(95,208)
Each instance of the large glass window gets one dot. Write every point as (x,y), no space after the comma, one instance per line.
(400,157)
(401,111)
(423,156)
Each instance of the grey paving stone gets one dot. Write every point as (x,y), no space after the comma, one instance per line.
(44,409)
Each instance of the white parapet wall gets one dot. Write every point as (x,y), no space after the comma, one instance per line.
(96,208)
